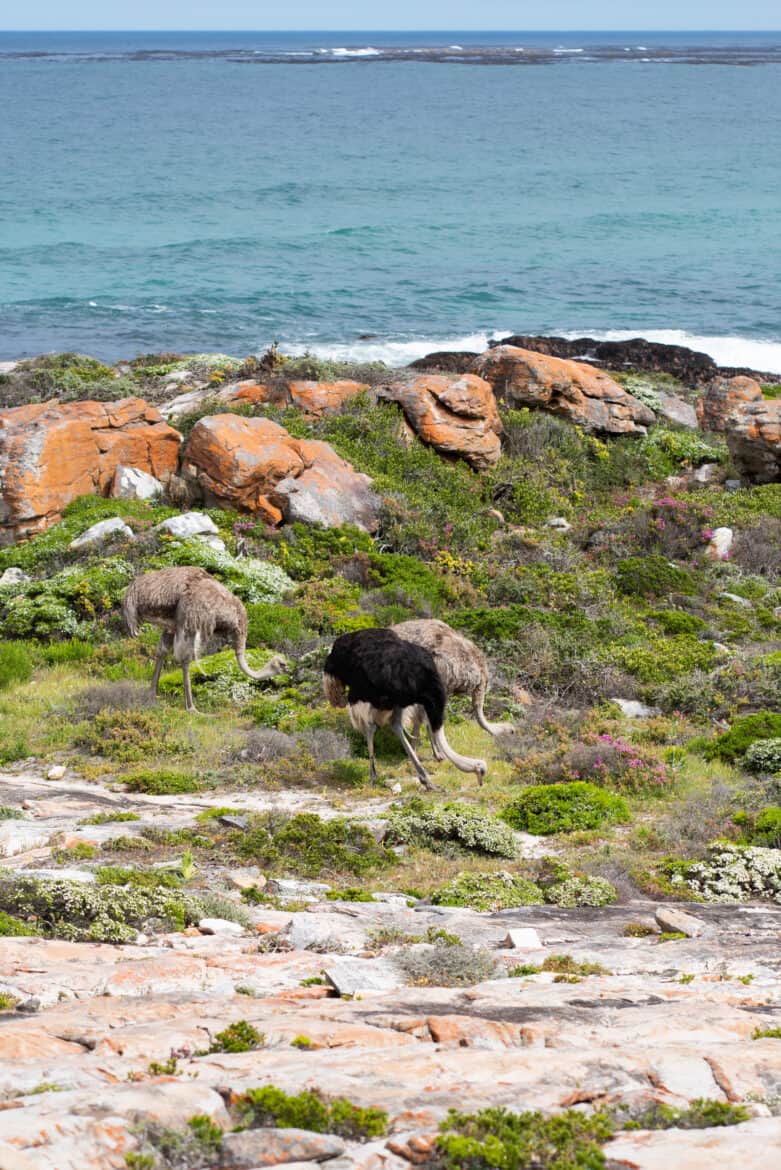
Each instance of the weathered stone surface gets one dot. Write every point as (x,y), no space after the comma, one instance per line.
(103,531)
(722,397)
(673,919)
(358,976)
(523,938)
(131,483)
(754,440)
(678,411)
(276,1147)
(749,1146)
(584,395)
(318,398)
(13,576)
(188,524)
(327,491)
(455,415)
(219,926)
(52,452)
(254,464)
(102,1013)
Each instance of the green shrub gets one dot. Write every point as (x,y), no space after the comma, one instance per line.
(663,658)
(652,576)
(9,925)
(742,734)
(764,755)
(305,551)
(677,621)
(129,736)
(448,965)
(488,891)
(145,879)
(78,912)
(666,451)
(522,1141)
(564,808)
(161,782)
(8,813)
(109,818)
(273,625)
(699,1114)
(197,1147)
(439,827)
(581,891)
(767,828)
(310,1110)
(16,665)
(308,846)
(240,1036)
(252,580)
(62,653)
(65,603)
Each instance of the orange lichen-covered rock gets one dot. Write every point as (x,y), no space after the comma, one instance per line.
(456,415)
(249,393)
(586,396)
(237,461)
(52,452)
(754,440)
(722,397)
(253,464)
(319,398)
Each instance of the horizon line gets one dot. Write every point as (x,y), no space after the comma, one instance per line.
(399,29)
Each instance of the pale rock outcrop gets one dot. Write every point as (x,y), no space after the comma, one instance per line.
(456,415)
(52,452)
(131,483)
(111,529)
(189,524)
(720,544)
(580,393)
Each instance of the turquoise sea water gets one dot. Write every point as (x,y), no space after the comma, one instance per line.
(201,191)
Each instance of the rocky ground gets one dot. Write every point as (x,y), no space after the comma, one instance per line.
(100,1037)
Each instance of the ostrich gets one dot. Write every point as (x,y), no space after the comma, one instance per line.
(377,675)
(191,607)
(462,667)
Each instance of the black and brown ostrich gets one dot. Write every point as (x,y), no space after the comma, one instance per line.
(377,675)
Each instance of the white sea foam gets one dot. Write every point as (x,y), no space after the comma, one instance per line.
(367,52)
(753,353)
(726,351)
(394,352)
(459,48)
(567,50)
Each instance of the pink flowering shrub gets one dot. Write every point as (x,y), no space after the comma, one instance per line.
(611,762)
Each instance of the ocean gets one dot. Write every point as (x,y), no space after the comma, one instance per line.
(379,195)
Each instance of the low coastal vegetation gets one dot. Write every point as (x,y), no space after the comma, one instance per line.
(577,563)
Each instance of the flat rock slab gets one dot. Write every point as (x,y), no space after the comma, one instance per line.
(358,976)
(276,1147)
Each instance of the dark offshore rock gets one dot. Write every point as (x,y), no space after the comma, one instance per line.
(446,361)
(687,365)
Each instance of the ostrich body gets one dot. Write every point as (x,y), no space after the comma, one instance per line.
(377,674)
(192,608)
(462,667)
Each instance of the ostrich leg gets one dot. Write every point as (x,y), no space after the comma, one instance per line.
(188,690)
(370,730)
(163,650)
(423,776)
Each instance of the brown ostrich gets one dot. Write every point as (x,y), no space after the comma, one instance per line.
(192,609)
(462,667)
